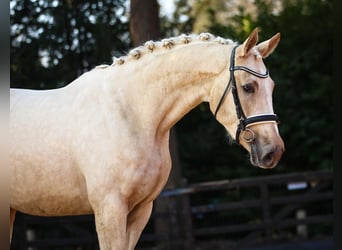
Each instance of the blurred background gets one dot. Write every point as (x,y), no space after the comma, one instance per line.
(53,42)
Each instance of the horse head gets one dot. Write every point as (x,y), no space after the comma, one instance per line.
(244,105)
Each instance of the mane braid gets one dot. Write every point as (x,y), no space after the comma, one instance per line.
(167,44)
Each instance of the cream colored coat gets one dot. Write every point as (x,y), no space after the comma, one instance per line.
(100,144)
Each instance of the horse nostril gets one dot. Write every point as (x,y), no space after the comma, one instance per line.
(272,155)
(268,158)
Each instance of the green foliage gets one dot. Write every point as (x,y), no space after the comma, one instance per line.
(52,42)
(181,21)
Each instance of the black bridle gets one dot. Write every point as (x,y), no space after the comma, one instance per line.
(244,121)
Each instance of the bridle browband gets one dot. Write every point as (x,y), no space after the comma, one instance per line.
(244,122)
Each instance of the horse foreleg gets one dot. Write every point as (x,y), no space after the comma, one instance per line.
(136,222)
(12,217)
(111,220)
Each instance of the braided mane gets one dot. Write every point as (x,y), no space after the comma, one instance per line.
(166,44)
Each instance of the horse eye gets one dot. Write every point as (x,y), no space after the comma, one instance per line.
(248,88)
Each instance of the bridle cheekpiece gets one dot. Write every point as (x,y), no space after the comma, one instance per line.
(244,122)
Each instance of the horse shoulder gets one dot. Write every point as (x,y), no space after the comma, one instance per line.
(131,168)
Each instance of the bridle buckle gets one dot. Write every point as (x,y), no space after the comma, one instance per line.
(248,135)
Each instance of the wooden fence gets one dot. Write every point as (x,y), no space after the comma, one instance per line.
(226,214)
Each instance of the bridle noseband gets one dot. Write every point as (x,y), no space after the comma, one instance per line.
(244,122)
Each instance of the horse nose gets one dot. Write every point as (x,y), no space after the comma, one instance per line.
(270,156)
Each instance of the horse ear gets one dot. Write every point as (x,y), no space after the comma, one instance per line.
(250,42)
(267,47)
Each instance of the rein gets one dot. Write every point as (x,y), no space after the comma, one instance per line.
(244,122)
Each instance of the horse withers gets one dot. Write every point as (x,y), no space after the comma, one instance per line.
(100,145)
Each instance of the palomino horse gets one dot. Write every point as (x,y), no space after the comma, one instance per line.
(101,144)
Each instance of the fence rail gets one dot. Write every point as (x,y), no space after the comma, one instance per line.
(243,212)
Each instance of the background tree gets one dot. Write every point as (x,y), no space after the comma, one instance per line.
(53,42)
(144,25)
(144,21)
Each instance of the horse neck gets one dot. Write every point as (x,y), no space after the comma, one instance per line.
(158,90)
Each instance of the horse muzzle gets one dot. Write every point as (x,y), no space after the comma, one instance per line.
(266,154)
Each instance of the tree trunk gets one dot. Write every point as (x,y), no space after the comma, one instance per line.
(144,26)
(144,21)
